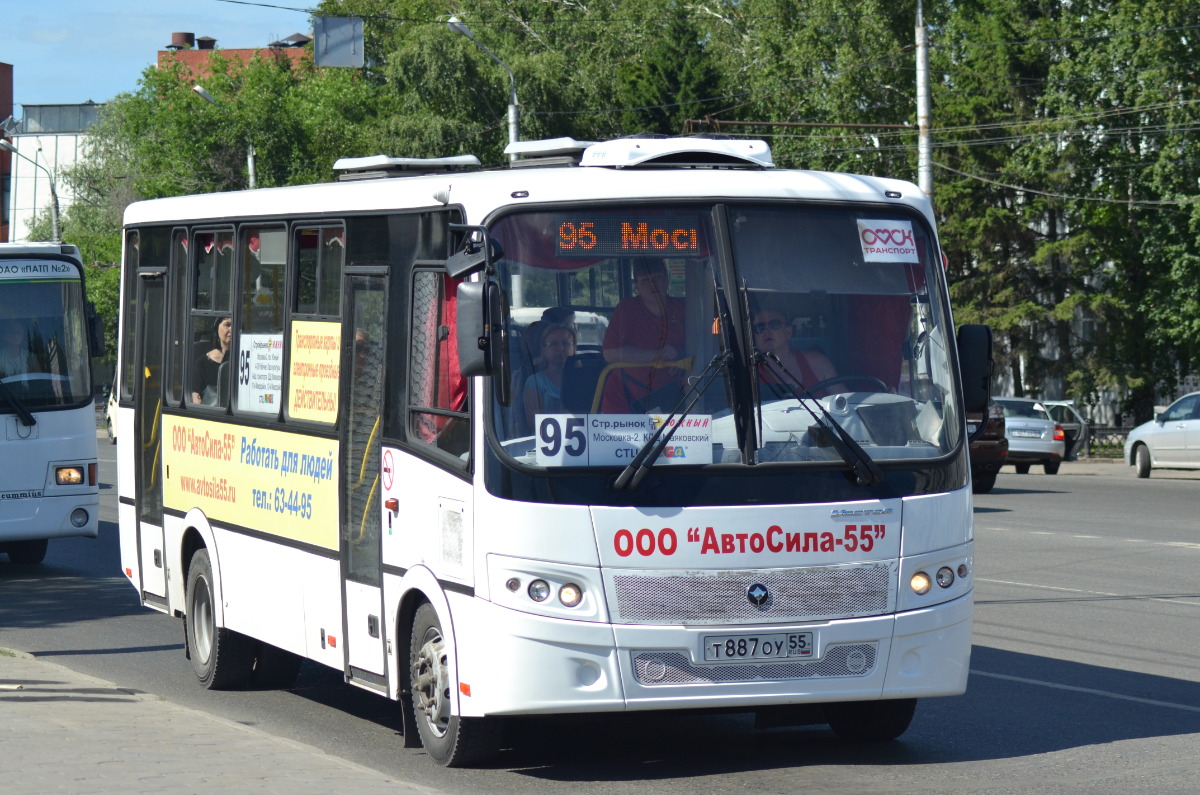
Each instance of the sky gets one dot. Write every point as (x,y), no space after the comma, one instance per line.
(70,51)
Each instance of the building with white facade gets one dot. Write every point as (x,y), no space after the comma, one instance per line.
(48,139)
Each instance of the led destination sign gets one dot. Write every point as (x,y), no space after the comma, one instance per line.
(610,236)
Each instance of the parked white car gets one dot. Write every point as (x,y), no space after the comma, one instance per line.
(1169,441)
(1033,438)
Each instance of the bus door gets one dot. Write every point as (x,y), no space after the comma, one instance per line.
(363,339)
(148,489)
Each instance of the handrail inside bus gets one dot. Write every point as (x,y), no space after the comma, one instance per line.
(681,364)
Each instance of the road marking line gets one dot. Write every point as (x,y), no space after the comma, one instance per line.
(1180,599)
(1172,544)
(1088,690)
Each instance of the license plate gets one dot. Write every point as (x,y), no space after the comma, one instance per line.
(788,645)
(1022,434)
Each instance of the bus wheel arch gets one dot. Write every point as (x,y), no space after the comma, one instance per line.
(450,739)
(221,658)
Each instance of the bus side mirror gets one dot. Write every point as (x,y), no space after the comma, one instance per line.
(482,336)
(975,361)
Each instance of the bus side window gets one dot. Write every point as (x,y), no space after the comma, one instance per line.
(320,255)
(212,280)
(263,294)
(437,394)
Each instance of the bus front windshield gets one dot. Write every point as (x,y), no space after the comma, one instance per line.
(43,344)
(772,331)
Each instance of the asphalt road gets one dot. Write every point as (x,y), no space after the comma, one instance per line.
(1085,674)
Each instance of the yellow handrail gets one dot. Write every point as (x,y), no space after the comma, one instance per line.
(680,364)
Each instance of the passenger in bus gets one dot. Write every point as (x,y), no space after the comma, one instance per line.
(15,356)
(647,328)
(543,389)
(773,334)
(207,373)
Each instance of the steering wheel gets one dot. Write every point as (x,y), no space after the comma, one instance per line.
(877,383)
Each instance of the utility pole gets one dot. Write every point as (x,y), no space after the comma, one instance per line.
(924,145)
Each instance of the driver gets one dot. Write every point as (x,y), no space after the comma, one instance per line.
(773,334)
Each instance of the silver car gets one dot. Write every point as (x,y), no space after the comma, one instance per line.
(1169,441)
(1033,437)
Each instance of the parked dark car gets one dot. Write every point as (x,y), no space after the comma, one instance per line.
(990,451)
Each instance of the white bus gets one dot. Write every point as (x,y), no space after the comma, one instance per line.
(48,333)
(328,450)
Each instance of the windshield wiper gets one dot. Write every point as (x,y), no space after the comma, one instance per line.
(866,471)
(22,412)
(636,470)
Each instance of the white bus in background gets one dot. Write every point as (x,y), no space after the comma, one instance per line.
(345,476)
(48,334)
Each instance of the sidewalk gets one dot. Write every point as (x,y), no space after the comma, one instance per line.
(1112,466)
(66,732)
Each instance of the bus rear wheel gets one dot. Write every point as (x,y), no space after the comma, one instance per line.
(222,659)
(450,740)
(27,551)
(870,721)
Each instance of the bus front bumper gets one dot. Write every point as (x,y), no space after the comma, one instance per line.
(515,663)
(31,519)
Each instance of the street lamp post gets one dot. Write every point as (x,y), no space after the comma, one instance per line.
(5,145)
(209,98)
(456,25)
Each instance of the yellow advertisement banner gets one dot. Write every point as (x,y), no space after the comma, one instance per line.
(285,484)
(315,370)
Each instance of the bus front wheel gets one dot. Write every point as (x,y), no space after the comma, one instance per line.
(27,551)
(870,721)
(450,740)
(223,659)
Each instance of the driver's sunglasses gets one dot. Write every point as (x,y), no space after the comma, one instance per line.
(774,325)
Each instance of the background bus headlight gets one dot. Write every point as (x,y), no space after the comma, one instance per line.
(68,476)
(920,583)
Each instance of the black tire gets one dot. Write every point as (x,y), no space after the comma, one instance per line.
(1051,467)
(274,668)
(1022,469)
(982,482)
(1141,460)
(449,740)
(223,659)
(27,551)
(870,721)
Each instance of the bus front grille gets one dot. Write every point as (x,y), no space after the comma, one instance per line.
(815,593)
(671,668)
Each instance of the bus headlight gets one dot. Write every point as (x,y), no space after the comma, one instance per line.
(79,517)
(570,595)
(945,577)
(539,590)
(68,476)
(920,583)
